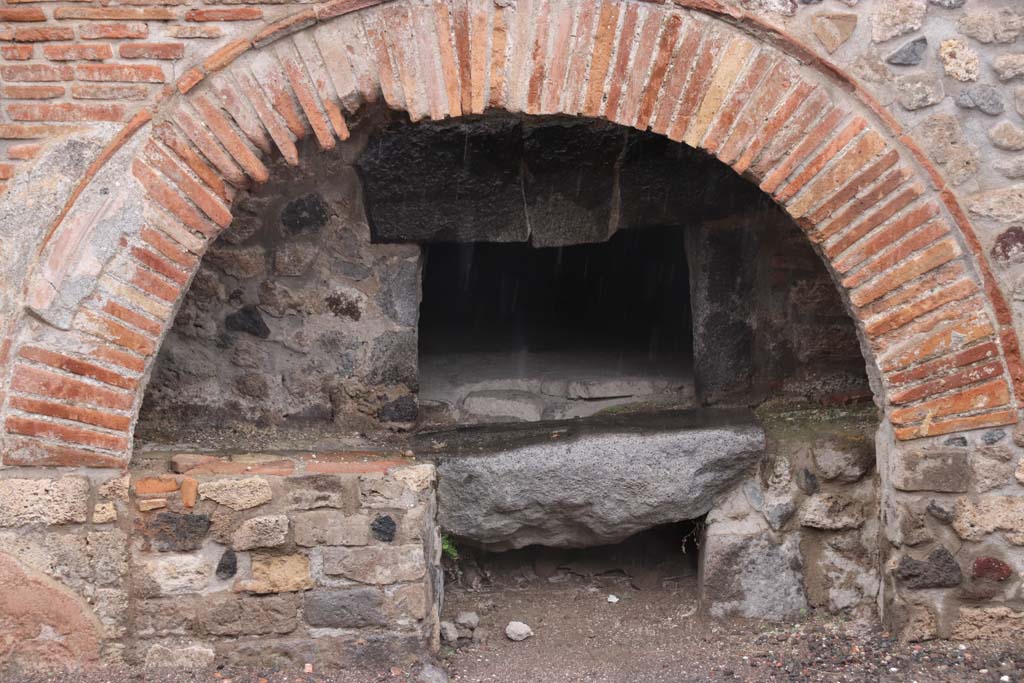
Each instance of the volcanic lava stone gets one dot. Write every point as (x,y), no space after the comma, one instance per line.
(248,319)
(910,54)
(228,565)
(383,528)
(991,568)
(957,441)
(305,214)
(939,570)
(402,409)
(170,531)
(993,437)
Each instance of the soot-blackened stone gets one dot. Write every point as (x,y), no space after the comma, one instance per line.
(993,437)
(383,528)
(228,565)
(170,531)
(248,319)
(402,409)
(807,481)
(957,441)
(305,214)
(910,54)
(939,570)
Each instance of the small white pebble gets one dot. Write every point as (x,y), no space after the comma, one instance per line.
(983,671)
(961,647)
(613,599)
(1004,679)
(309,668)
(893,669)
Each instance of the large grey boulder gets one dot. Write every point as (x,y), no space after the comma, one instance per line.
(589,482)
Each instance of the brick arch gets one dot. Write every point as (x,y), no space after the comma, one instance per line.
(116,263)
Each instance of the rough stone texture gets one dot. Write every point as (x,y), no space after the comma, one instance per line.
(834,28)
(985,25)
(345,608)
(988,622)
(896,18)
(376,564)
(946,470)
(43,501)
(329,527)
(959,61)
(984,98)
(260,532)
(515,487)
(909,54)
(277,574)
(1005,205)
(752,576)
(919,90)
(1009,67)
(1006,135)
(237,494)
(44,624)
(938,570)
(976,519)
(191,658)
(831,511)
(944,139)
(234,615)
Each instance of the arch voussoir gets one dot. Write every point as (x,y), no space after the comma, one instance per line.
(910,279)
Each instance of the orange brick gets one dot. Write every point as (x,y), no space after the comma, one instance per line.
(601,58)
(115,13)
(798,111)
(123,73)
(738,98)
(678,75)
(29,379)
(856,185)
(113,331)
(283,27)
(205,199)
(74,413)
(33,92)
(227,14)
(898,316)
(205,141)
(959,424)
(66,433)
(877,248)
(189,492)
(16,52)
(987,396)
(151,50)
(131,317)
(23,152)
(984,351)
(42,34)
(822,131)
(932,257)
(886,186)
(956,380)
(66,111)
(149,486)
(36,72)
(26,452)
(173,141)
(77,366)
(21,14)
(78,51)
(659,70)
(226,54)
(113,31)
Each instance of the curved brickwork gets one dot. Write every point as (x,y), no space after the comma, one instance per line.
(936,328)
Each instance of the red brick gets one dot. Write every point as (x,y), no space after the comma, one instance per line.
(959,424)
(822,131)
(152,485)
(877,248)
(932,257)
(972,328)
(66,433)
(190,79)
(225,14)
(273,83)
(274,468)
(984,351)
(852,188)
(22,14)
(162,191)
(36,72)
(160,265)
(155,285)
(169,248)
(74,413)
(678,75)
(42,34)
(115,13)
(189,492)
(737,99)
(76,51)
(165,134)
(210,148)
(853,235)
(66,111)
(133,318)
(33,92)
(113,91)
(23,452)
(619,72)
(604,43)
(659,70)
(325,466)
(6,171)
(944,276)
(802,107)
(16,53)
(199,194)
(243,113)
(336,8)
(112,331)
(23,152)
(284,26)
(987,396)
(113,31)
(77,366)
(859,206)
(123,73)
(226,54)
(196,32)
(114,356)
(700,78)
(898,316)
(151,50)
(956,380)
(499,41)
(309,103)
(449,67)
(29,379)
